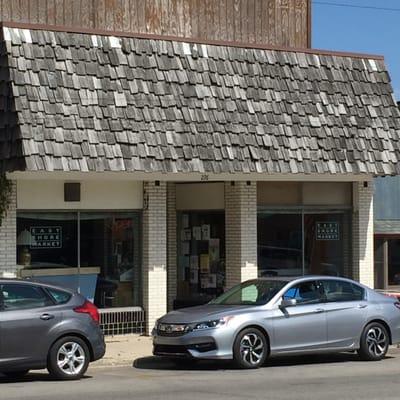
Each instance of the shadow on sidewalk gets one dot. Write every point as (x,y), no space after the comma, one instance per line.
(159,363)
(33,377)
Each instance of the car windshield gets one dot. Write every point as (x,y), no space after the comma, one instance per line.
(256,293)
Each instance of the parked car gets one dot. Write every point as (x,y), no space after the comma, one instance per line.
(276,316)
(44,326)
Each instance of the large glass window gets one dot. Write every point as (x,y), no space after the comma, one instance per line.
(201,256)
(279,243)
(97,253)
(299,242)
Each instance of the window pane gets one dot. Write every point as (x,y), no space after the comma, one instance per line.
(327,239)
(305,293)
(279,244)
(111,242)
(251,293)
(18,297)
(59,296)
(342,291)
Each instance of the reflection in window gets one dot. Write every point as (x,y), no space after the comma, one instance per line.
(279,244)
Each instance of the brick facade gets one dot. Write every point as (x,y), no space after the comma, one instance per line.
(154,251)
(8,237)
(363,233)
(241,231)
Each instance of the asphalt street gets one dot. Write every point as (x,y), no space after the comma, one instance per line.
(341,376)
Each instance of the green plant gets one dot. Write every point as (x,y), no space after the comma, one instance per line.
(5,196)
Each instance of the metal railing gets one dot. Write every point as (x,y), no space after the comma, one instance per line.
(123,320)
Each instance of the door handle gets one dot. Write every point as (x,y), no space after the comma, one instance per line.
(318,310)
(362,306)
(46,317)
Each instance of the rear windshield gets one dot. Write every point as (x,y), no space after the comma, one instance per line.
(257,292)
(59,296)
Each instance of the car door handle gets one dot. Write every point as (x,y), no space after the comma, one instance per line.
(318,310)
(362,306)
(46,317)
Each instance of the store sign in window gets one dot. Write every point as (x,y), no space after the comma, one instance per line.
(328,231)
(46,237)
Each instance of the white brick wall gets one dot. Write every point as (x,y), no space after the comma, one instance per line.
(8,237)
(171,244)
(154,252)
(363,233)
(241,232)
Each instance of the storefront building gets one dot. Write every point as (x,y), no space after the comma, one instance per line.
(155,172)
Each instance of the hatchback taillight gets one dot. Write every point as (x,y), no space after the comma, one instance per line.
(397,304)
(89,308)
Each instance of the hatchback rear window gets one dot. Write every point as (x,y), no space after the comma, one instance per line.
(59,296)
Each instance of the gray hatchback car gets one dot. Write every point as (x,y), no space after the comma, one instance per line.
(43,326)
(273,316)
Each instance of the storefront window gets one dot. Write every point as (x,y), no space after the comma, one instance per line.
(96,253)
(110,241)
(279,244)
(394,262)
(201,256)
(303,242)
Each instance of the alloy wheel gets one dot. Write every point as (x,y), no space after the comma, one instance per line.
(252,348)
(376,341)
(71,358)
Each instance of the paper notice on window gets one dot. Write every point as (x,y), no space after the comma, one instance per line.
(213,250)
(185,220)
(197,232)
(205,232)
(204,263)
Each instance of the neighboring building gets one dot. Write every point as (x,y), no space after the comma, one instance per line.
(160,170)
(387,233)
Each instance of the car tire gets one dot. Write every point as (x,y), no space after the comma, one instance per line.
(68,358)
(250,349)
(374,342)
(16,374)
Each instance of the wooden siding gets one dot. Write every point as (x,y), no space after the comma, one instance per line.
(270,22)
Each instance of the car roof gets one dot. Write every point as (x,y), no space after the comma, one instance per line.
(305,278)
(32,282)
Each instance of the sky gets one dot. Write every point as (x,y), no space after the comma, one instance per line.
(365,30)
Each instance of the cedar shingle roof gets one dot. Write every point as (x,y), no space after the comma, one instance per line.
(100,103)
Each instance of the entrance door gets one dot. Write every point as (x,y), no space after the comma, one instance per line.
(301,327)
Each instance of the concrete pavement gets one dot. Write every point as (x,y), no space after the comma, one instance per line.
(327,377)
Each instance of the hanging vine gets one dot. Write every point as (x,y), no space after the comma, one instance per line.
(5,196)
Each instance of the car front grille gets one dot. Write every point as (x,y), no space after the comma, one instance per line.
(172,330)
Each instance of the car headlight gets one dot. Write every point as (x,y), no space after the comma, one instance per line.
(216,323)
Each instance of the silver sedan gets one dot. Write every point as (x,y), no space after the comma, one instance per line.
(276,316)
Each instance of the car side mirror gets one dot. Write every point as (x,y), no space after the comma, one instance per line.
(288,303)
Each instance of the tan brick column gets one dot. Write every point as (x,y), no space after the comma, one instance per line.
(171,244)
(363,233)
(154,251)
(240,231)
(8,236)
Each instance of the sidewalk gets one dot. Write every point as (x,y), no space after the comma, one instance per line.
(122,350)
